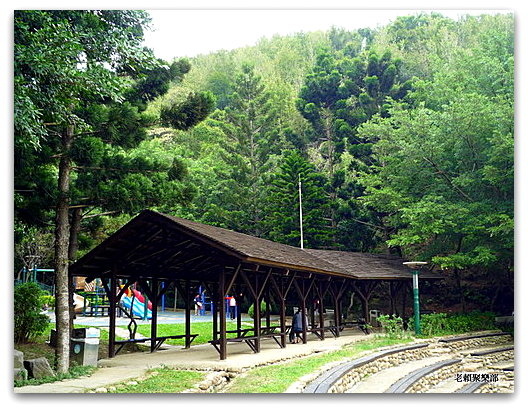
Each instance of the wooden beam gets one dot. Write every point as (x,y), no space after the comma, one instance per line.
(233,278)
(112,314)
(248,283)
(154,311)
(187,298)
(222,309)
(140,245)
(262,287)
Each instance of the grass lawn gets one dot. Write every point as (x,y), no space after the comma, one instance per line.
(203,329)
(266,379)
(277,378)
(163,380)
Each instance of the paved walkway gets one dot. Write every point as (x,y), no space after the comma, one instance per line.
(199,357)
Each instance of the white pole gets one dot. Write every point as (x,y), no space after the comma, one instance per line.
(301,213)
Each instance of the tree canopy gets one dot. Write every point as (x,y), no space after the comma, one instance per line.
(402,137)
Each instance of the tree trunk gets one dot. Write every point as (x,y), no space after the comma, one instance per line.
(75,227)
(62,234)
(73,246)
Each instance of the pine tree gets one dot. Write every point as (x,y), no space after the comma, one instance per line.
(283,214)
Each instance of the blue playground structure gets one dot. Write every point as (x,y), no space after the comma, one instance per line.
(136,307)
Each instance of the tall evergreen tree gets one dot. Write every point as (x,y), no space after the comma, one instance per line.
(248,125)
(283,217)
(68,66)
(344,90)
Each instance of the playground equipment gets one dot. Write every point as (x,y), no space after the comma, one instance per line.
(38,276)
(95,302)
(135,306)
(141,298)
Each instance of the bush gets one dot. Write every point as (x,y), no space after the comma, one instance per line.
(393,326)
(47,301)
(251,309)
(443,324)
(29,322)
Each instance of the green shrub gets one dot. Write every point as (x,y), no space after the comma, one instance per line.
(393,326)
(443,324)
(251,309)
(29,322)
(47,301)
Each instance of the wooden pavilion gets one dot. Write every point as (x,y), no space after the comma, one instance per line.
(154,249)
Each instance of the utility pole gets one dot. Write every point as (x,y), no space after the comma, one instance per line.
(301,213)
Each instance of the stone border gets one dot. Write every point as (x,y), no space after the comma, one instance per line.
(435,347)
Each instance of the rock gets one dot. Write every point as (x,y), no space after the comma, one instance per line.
(18,357)
(38,368)
(471,367)
(20,374)
(204,385)
(101,390)
(132,383)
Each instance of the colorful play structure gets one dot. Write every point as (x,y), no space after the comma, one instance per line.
(135,302)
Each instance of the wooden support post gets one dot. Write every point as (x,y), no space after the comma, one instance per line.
(154,322)
(239,300)
(257,313)
(214,312)
(222,307)
(304,319)
(282,301)
(187,297)
(268,308)
(321,308)
(337,292)
(256,323)
(337,316)
(303,293)
(111,291)
(364,289)
(311,307)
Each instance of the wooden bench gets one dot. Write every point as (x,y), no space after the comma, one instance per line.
(362,325)
(159,340)
(250,341)
(266,332)
(270,332)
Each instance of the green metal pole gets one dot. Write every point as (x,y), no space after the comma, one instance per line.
(416,296)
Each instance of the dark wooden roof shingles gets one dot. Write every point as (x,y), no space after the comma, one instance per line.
(254,249)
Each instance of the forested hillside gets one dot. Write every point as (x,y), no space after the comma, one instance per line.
(401,137)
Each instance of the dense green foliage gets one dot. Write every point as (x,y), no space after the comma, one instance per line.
(445,324)
(29,322)
(393,326)
(402,137)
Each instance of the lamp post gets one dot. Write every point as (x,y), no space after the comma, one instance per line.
(415,269)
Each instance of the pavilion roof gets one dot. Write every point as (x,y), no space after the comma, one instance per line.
(152,238)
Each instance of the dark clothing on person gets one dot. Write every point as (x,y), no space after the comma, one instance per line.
(297,325)
(297,322)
